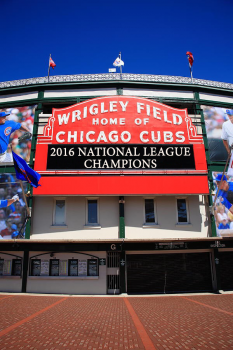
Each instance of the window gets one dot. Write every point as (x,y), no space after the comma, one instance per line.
(182,211)
(57,267)
(92,267)
(149,211)
(54,267)
(59,212)
(1,266)
(92,211)
(73,267)
(16,267)
(36,267)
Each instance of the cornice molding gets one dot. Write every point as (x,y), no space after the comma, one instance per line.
(115,77)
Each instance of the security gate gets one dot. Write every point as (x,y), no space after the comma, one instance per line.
(226,270)
(113,273)
(168,273)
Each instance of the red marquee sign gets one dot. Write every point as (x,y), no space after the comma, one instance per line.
(119,135)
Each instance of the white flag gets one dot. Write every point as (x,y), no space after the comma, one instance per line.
(118,62)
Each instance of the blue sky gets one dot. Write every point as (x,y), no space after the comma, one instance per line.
(85,37)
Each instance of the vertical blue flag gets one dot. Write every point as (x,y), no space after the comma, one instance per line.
(24,172)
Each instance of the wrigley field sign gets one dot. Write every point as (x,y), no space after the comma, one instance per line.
(119,134)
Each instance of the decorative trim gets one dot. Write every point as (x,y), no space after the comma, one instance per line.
(115,77)
(48,132)
(192,131)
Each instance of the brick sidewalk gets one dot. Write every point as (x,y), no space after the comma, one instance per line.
(116,323)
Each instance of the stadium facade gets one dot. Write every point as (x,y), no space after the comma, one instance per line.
(128,164)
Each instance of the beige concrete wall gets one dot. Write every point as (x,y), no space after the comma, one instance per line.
(11,283)
(42,219)
(166,212)
(167,226)
(67,284)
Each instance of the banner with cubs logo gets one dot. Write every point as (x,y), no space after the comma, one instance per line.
(223,204)
(12,208)
(13,123)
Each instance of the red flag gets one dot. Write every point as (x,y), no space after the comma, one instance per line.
(190,57)
(51,63)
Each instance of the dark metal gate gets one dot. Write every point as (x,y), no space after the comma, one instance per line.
(226,270)
(113,272)
(168,273)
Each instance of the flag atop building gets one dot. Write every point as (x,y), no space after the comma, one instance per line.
(24,172)
(118,61)
(51,63)
(190,58)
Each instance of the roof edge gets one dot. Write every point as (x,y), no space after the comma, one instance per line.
(113,77)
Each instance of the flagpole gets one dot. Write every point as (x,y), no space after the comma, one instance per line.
(191,72)
(49,67)
(25,199)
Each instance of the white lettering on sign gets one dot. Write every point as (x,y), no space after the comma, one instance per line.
(58,137)
(113,106)
(102,108)
(105,121)
(114,136)
(156,113)
(63,118)
(177,120)
(95,121)
(88,138)
(120,164)
(76,115)
(125,136)
(180,136)
(72,137)
(142,136)
(93,110)
(102,137)
(140,106)
(168,136)
(113,121)
(123,105)
(84,112)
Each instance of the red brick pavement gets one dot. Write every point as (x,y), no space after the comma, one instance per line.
(116,323)
(177,323)
(15,308)
(223,302)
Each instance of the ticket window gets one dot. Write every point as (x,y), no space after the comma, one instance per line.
(73,267)
(1,266)
(54,267)
(36,267)
(16,267)
(92,267)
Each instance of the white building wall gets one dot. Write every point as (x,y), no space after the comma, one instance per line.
(158,93)
(166,213)
(18,97)
(12,284)
(69,284)
(76,228)
(80,92)
(76,213)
